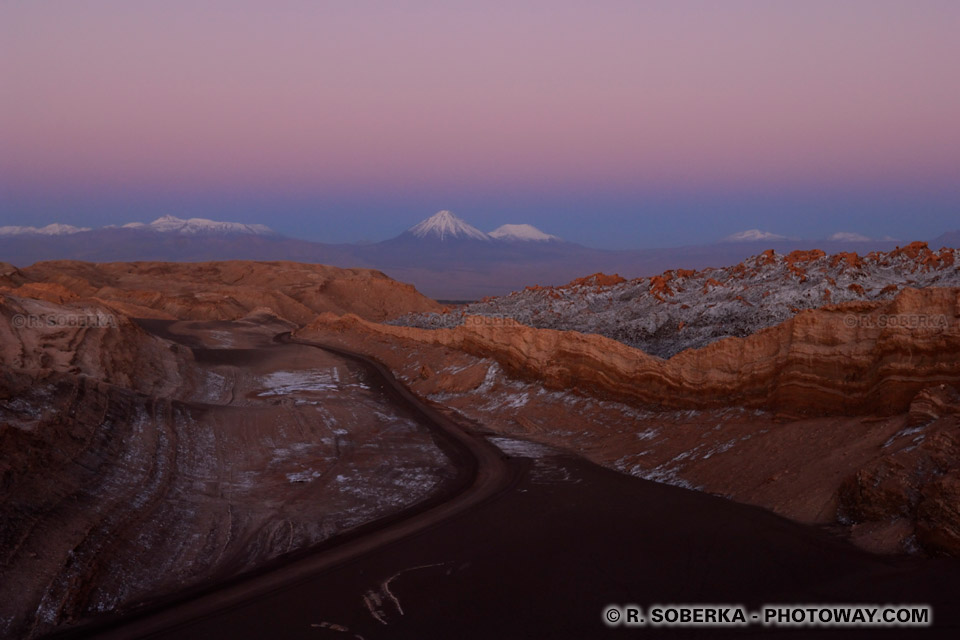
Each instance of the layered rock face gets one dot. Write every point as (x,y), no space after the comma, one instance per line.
(219,290)
(88,338)
(137,464)
(887,480)
(856,358)
(683,309)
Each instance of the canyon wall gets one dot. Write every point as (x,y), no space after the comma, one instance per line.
(855,358)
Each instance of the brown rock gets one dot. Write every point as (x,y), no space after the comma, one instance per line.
(817,363)
(659,286)
(912,250)
(938,516)
(765,258)
(848,259)
(934,403)
(225,290)
(597,280)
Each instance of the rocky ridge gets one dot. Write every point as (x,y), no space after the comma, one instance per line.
(846,359)
(218,290)
(682,309)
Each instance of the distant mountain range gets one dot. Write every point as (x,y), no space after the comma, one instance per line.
(444,256)
(55,229)
(165,224)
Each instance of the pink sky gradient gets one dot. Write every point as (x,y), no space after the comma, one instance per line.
(552,95)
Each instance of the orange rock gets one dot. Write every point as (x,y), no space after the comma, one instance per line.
(49,291)
(659,287)
(765,258)
(947,257)
(930,261)
(800,256)
(711,283)
(598,280)
(848,259)
(912,250)
(738,271)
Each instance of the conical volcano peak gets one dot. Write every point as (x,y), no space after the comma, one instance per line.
(444,225)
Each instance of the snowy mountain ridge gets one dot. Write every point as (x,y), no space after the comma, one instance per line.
(192,226)
(754,235)
(55,229)
(163,224)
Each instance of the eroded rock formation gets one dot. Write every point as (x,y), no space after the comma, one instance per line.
(915,477)
(683,309)
(855,358)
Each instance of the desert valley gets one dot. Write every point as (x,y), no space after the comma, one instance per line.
(481,321)
(176,442)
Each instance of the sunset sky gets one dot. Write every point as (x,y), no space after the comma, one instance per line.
(619,124)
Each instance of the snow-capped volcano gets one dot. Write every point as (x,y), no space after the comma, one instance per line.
(193,226)
(754,235)
(521,233)
(849,236)
(55,229)
(443,225)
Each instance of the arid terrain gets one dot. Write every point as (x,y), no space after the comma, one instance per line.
(201,444)
(821,387)
(682,308)
(167,427)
